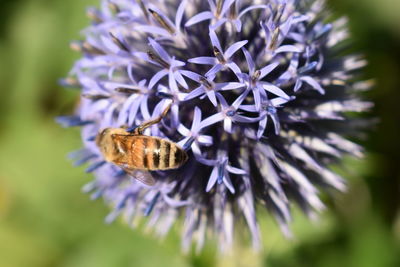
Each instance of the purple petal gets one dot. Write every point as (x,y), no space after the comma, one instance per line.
(211,96)
(109,44)
(180,79)
(257,98)
(277,125)
(300,18)
(238,25)
(227,4)
(214,70)
(160,51)
(153,30)
(205,140)
(262,126)
(179,14)
(214,40)
(313,83)
(278,101)
(158,76)
(173,202)
(183,130)
(203,60)
(173,86)
(267,69)
(134,110)
(249,108)
(175,116)
(195,93)
(218,23)
(244,119)
(233,48)
(228,125)
(199,18)
(250,61)
(298,152)
(212,5)
(240,99)
(222,100)
(287,48)
(235,170)
(212,180)
(229,86)
(123,114)
(244,11)
(182,142)
(142,56)
(228,183)
(196,118)
(298,85)
(234,68)
(191,75)
(275,90)
(196,149)
(212,120)
(285,27)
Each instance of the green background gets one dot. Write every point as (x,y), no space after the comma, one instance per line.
(46,221)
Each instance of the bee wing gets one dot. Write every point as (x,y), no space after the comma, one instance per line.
(142,176)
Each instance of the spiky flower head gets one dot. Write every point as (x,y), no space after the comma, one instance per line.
(260,96)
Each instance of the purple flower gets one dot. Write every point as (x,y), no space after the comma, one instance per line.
(209,88)
(222,12)
(221,59)
(253,81)
(260,126)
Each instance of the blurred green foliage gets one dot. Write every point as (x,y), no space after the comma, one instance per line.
(46,221)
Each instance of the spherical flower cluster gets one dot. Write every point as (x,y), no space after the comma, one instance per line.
(260,95)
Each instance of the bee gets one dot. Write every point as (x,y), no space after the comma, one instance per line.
(138,154)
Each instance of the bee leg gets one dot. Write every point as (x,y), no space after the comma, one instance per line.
(139,130)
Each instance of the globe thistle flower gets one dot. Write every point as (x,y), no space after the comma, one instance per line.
(260,97)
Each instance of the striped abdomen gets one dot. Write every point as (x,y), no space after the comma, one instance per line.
(152,153)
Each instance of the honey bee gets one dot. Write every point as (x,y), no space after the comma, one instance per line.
(137,154)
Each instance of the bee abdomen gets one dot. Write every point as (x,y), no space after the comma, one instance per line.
(171,156)
(150,153)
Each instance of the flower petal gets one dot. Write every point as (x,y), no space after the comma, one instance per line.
(178,77)
(262,126)
(153,30)
(314,84)
(203,60)
(287,48)
(235,170)
(158,76)
(228,124)
(214,40)
(225,7)
(233,48)
(212,179)
(267,69)
(229,86)
(214,70)
(196,119)
(183,130)
(250,61)
(160,50)
(275,90)
(180,13)
(199,18)
(195,93)
(212,120)
(211,96)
